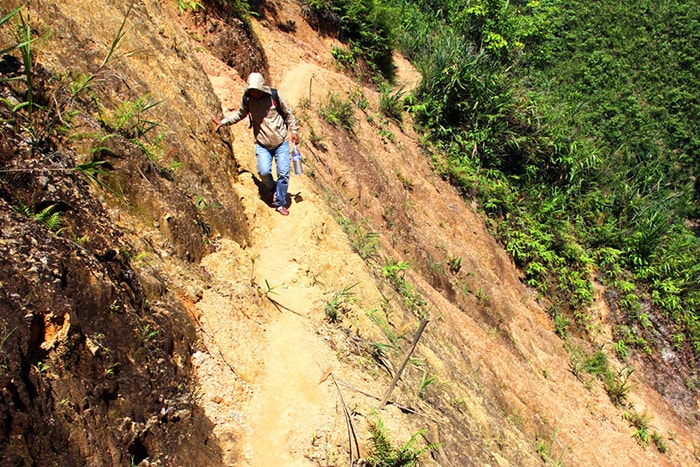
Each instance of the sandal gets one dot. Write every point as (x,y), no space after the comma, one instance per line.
(282,210)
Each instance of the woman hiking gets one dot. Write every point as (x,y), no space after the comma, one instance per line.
(272,121)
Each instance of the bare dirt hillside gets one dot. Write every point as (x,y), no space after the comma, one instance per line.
(501,383)
(235,336)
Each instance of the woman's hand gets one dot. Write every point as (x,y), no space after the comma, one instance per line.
(217,121)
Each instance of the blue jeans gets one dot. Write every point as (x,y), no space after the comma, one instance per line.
(281,155)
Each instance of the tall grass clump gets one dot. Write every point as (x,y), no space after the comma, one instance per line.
(391,103)
(338,112)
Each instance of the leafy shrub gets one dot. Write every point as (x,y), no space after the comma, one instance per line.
(344,57)
(189,5)
(366,26)
(338,112)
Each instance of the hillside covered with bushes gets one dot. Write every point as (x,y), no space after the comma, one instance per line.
(498,220)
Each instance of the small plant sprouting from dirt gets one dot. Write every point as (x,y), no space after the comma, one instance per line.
(47,217)
(6,335)
(41,367)
(391,104)
(189,5)
(546,450)
(337,112)
(130,117)
(425,382)
(659,442)
(343,57)
(359,99)
(643,431)
(316,139)
(384,454)
(455,264)
(381,319)
(339,304)
(380,353)
(147,332)
(597,365)
(394,272)
(640,423)
(364,243)
(617,385)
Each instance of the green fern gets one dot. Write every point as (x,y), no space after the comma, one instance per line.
(47,217)
(384,454)
(50,218)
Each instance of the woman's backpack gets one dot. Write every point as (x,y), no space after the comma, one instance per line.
(275,103)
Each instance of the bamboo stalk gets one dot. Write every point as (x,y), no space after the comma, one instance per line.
(421,328)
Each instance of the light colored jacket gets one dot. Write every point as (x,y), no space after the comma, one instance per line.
(269,126)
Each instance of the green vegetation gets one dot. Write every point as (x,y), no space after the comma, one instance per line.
(384,454)
(41,367)
(4,20)
(391,103)
(640,423)
(48,105)
(455,264)
(339,304)
(365,26)
(394,272)
(364,243)
(338,112)
(546,450)
(6,335)
(48,217)
(579,137)
(597,365)
(130,117)
(189,5)
(643,431)
(45,111)
(659,442)
(381,319)
(147,332)
(425,382)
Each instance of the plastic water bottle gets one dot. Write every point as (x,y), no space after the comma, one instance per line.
(296,161)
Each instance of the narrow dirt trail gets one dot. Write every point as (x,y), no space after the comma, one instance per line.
(288,397)
(278,410)
(281,404)
(294,416)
